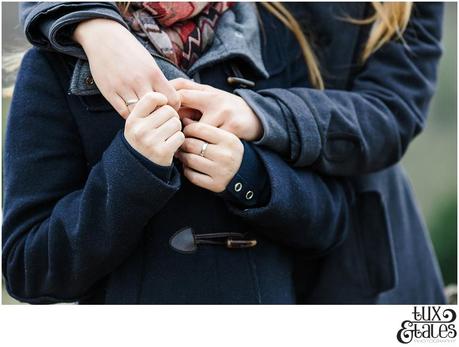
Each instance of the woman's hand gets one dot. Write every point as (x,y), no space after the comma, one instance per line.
(154,129)
(121,67)
(220,161)
(217,108)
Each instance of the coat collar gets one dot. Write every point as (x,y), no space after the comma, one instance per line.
(237,36)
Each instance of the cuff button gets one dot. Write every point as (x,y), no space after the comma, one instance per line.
(89,80)
(249,195)
(238,187)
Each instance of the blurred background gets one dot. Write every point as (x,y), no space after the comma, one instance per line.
(431,160)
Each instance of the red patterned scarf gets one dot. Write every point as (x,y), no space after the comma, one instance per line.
(180,31)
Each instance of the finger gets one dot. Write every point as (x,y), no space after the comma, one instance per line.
(212,119)
(175,141)
(187,121)
(142,89)
(168,129)
(128,95)
(182,83)
(163,86)
(148,104)
(160,116)
(197,178)
(206,132)
(119,105)
(197,163)
(196,99)
(195,146)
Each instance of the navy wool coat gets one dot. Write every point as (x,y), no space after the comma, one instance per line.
(85,221)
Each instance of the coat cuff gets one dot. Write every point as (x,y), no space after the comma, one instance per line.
(55,29)
(275,127)
(249,187)
(131,171)
(163,172)
(290,128)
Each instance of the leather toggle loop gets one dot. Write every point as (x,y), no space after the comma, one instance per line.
(186,241)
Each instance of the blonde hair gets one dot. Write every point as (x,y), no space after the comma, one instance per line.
(389,21)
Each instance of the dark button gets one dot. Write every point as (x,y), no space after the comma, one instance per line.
(340,147)
(89,80)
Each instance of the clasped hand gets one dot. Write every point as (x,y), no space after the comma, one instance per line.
(207,116)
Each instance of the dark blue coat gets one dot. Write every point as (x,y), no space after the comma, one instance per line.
(85,221)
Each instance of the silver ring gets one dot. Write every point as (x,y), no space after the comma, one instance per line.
(131,102)
(203,149)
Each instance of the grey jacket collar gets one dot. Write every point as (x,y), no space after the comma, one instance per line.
(237,36)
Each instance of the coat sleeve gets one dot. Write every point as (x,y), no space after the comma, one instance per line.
(50,25)
(66,225)
(368,127)
(305,211)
